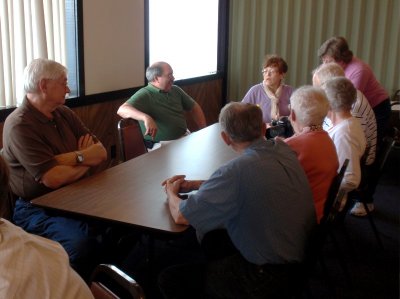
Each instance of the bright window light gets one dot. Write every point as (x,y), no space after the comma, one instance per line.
(184,33)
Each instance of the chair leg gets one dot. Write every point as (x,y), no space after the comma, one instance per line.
(372,222)
(341,258)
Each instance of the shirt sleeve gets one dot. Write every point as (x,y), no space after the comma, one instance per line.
(214,203)
(187,101)
(139,100)
(347,149)
(33,154)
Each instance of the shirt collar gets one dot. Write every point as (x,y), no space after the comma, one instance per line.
(155,89)
(27,106)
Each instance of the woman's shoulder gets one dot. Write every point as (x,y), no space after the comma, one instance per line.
(256,87)
(288,88)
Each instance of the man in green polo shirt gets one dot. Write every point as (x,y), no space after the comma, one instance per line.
(160,106)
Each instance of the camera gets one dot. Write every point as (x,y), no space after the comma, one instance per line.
(281,128)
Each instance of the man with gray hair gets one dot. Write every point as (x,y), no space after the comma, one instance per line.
(47,146)
(313,146)
(346,131)
(160,106)
(262,200)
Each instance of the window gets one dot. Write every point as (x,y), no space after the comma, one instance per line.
(28,30)
(184,33)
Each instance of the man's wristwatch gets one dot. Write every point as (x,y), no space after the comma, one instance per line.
(79,157)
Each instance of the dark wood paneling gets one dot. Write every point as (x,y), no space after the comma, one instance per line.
(102,118)
(209,96)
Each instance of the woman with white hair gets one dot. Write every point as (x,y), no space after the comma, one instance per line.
(346,132)
(313,146)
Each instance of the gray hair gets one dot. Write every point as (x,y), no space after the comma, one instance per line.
(310,105)
(155,70)
(241,121)
(39,69)
(328,71)
(341,93)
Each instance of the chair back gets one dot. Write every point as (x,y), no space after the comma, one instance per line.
(386,146)
(317,238)
(109,282)
(131,139)
(335,196)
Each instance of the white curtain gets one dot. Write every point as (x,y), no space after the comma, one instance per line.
(29,29)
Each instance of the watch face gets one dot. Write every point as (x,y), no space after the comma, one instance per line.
(79,157)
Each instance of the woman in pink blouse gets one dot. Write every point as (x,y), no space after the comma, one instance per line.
(361,75)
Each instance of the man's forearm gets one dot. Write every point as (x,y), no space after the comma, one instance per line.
(198,116)
(127,111)
(92,156)
(62,175)
(173,202)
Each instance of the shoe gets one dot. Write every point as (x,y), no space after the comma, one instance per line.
(359,210)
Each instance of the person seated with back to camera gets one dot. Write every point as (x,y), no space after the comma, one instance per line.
(271,95)
(313,146)
(363,112)
(32,266)
(160,107)
(361,109)
(261,199)
(346,131)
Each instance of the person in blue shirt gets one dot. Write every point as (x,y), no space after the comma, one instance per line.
(261,199)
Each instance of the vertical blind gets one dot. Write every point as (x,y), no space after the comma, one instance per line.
(295,29)
(29,29)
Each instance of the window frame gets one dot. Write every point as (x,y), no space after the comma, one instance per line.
(84,100)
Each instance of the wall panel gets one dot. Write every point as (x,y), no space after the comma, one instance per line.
(102,118)
(295,29)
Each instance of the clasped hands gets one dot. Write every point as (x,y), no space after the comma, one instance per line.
(177,183)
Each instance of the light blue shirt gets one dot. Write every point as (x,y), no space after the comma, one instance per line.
(262,198)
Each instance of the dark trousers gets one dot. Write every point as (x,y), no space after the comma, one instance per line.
(371,172)
(226,274)
(230,277)
(83,243)
(382,114)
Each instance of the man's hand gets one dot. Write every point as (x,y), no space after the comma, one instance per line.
(172,187)
(184,185)
(151,127)
(85,141)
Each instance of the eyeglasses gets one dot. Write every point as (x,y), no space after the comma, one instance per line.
(269,71)
(169,76)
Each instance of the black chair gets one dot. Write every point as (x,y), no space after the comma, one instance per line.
(323,231)
(130,139)
(364,190)
(109,282)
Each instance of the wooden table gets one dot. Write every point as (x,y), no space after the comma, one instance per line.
(131,192)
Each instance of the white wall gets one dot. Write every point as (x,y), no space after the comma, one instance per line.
(113,34)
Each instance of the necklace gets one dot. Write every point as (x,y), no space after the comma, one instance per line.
(314,128)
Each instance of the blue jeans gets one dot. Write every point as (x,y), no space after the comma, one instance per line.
(229,277)
(80,241)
